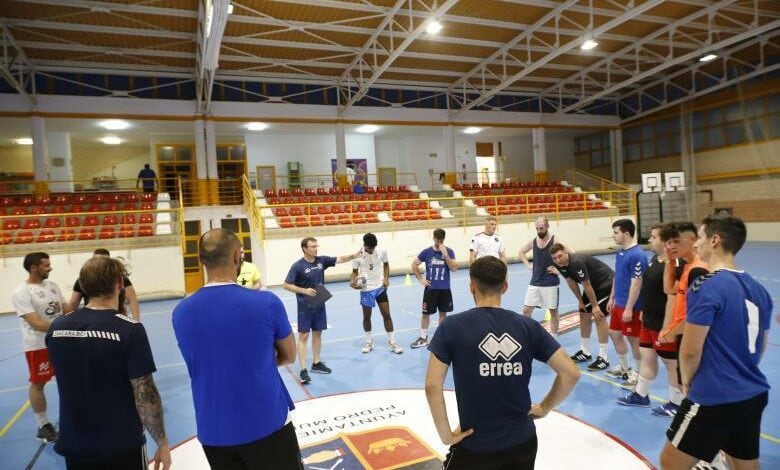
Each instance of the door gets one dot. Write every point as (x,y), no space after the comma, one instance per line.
(193,271)
(386,176)
(486,167)
(266,177)
(230,174)
(169,174)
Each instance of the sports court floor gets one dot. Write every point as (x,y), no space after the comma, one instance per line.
(592,401)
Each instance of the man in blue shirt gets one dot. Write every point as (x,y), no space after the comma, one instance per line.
(725,334)
(624,303)
(104,377)
(491,352)
(232,340)
(304,275)
(439,261)
(148,178)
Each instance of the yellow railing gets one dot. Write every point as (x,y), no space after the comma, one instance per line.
(621,196)
(315,181)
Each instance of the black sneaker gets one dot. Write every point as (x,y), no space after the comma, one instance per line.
(580,356)
(305,377)
(320,368)
(598,364)
(47,433)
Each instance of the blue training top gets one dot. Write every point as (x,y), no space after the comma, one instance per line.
(629,264)
(543,260)
(436,269)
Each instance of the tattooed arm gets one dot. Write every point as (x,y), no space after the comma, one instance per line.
(149,406)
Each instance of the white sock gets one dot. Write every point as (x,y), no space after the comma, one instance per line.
(368,335)
(675,395)
(424,333)
(41,418)
(623,359)
(603,350)
(584,345)
(391,337)
(643,386)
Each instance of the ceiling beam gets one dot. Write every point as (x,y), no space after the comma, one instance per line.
(627,16)
(376,72)
(12,57)
(672,62)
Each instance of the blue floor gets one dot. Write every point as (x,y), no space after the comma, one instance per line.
(593,399)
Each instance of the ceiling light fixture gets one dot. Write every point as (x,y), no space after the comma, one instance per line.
(111,140)
(115,125)
(230,9)
(24,141)
(367,129)
(472,130)
(708,58)
(257,126)
(589,44)
(433,27)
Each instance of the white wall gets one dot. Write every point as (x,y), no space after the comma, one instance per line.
(314,151)
(149,280)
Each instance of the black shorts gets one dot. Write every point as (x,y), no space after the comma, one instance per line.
(436,300)
(519,457)
(601,297)
(277,451)
(134,460)
(735,428)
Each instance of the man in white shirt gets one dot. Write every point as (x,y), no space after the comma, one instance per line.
(487,243)
(371,275)
(38,301)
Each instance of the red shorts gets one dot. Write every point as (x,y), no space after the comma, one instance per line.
(41,370)
(649,339)
(631,328)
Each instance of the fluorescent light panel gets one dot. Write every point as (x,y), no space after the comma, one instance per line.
(24,141)
(433,27)
(367,129)
(708,58)
(111,140)
(472,130)
(257,126)
(588,45)
(115,125)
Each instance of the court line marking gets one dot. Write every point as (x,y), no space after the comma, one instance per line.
(35,457)
(14,418)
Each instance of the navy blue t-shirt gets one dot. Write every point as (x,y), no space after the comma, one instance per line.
(543,260)
(491,352)
(436,269)
(226,334)
(95,354)
(309,275)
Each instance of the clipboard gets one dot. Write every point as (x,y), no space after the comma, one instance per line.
(322,296)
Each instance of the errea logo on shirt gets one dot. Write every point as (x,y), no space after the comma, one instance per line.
(504,347)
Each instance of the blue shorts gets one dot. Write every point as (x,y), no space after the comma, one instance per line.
(308,320)
(369,298)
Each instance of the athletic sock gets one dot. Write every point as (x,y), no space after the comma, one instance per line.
(623,359)
(424,333)
(391,337)
(643,386)
(603,350)
(584,346)
(675,395)
(368,335)
(41,418)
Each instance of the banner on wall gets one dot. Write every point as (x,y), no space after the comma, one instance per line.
(359,165)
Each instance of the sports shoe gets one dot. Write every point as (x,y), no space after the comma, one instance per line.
(47,433)
(395,349)
(320,368)
(632,377)
(618,373)
(419,343)
(599,364)
(305,377)
(667,410)
(634,399)
(368,347)
(580,356)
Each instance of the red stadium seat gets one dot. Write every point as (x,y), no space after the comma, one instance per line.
(52,222)
(31,224)
(131,197)
(45,236)
(285,222)
(90,221)
(11,224)
(146,219)
(128,219)
(107,232)
(72,221)
(43,200)
(316,220)
(20,211)
(110,220)
(126,231)
(301,221)
(145,231)
(66,235)
(23,237)
(87,234)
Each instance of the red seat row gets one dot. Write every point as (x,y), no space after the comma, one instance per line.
(76,221)
(347,208)
(75,208)
(332,191)
(275,200)
(542,208)
(64,199)
(330,219)
(504,185)
(68,234)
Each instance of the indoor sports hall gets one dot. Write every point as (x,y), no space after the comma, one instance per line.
(136,126)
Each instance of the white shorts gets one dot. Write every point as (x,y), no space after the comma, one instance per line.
(542,297)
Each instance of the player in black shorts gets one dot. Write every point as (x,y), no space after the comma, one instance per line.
(439,261)
(596,279)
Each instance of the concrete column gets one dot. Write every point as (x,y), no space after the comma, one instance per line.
(341,149)
(449,148)
(60,162)
(40,158)
(616,155)
(200,149)
(540,153)
(211,151)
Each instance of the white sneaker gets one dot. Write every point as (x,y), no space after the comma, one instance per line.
(368,347)
(617,372)
(631,381)
(394,348)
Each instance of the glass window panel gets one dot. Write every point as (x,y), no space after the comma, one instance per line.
(222,153)
(676,145)
(605,140)
(714,116)
(773,102)
(238,153)
(246,242)
(244,224)
(192,246)
(715,137)
(648,149)
(733,112)
(661,127)
(184,154)
(756,129)
(633,152)
(247,255)
(191,262)
(662,147)
(595,141)
(735,133)
(192,228)
(774,125)
(648,131)
(230,224)
(698,120)
(165,154)
(698,140)
(755,107)
(632,134)
(583,145)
